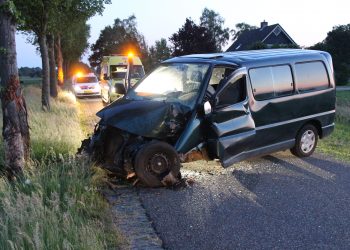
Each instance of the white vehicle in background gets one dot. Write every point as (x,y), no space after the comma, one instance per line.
(86,85)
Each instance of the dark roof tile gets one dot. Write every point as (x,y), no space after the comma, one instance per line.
(247,38)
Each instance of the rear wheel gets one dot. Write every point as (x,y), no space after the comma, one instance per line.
(306,141)
(157,164)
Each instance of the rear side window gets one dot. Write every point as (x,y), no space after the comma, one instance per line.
(271,82)
(311,76)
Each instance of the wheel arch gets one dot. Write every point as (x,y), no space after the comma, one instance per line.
(316,124)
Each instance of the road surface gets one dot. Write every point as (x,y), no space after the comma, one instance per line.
(343,88)
(89,106)
(277,201)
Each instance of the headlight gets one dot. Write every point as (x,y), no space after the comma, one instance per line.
(76,88)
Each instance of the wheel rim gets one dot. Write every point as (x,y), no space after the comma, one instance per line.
(307,141)
(158,164)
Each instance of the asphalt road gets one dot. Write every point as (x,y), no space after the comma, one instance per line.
(277,201)
(343,88)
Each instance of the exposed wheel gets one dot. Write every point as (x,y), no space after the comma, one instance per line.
(157,164)
(306,141)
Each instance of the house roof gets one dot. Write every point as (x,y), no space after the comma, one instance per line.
(249,37)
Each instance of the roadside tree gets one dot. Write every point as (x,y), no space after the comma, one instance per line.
(47,19)
(15,129)
(120,38)
(192,39)
(70,20)
(214,23)
(35,19)
(337,44)
(73,45)
(159,52)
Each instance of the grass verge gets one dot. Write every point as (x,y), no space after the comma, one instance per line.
(26,80)
(59,206)
(338,143)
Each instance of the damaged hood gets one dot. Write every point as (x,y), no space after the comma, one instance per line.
(148,118)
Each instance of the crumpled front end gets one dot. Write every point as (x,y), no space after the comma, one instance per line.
(152,119)
(141,133)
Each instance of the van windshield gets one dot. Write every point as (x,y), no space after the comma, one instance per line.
(118,75)
(120,71)
(176,82)
(137,72)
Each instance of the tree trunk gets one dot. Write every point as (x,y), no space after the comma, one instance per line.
(15,129)
(59,60)
(66,70)
(53,79)
(45,86)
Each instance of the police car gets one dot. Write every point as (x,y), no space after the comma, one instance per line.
(86,85)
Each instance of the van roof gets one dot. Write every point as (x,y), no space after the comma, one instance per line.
(252,57)
(120,60)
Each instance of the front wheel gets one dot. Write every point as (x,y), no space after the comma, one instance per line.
(306,141)
(157,164)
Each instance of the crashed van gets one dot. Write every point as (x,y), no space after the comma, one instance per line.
(227,106)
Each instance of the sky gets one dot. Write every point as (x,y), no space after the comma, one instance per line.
(306,21)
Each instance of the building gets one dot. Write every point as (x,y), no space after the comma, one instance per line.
(267,35)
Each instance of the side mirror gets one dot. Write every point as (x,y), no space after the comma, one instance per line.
(105,77)
(120,89)
(207,108)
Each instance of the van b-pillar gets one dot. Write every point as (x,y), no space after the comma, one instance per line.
(130,69)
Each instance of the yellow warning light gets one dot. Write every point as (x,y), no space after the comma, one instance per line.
(130,54)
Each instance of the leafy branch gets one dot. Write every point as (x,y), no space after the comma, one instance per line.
(9,8)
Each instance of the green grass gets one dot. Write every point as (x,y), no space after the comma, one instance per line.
(338,143)
(59,206)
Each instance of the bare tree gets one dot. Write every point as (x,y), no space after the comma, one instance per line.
(15,129)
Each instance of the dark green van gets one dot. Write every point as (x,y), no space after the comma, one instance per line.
(226,106)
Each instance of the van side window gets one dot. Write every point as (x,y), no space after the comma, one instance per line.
(235,92)
(311,76)
(283,80)
(271,82)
